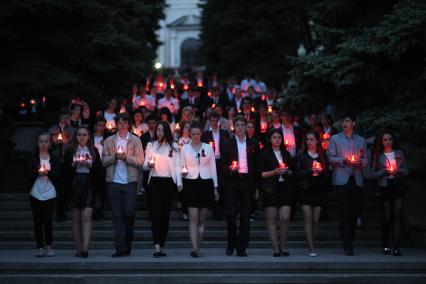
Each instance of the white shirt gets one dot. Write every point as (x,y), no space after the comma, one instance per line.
(161,159)
(216,139)
(99,143)
(280,161)
(288,134)
(120,173)
(238,103)
(197,165)
(391,161)
(83,153)
(43,188)
(172,104)
(140,129)
(242,156)
(110,118)
(148,101)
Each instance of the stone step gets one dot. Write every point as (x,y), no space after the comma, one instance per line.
(219,244)
(66,235)
(367,266)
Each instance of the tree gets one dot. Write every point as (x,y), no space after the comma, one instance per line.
(373,60)
(248,36)
(81,47)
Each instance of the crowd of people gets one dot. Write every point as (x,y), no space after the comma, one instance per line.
(210,147)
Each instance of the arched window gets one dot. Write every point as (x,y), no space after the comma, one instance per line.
(190,56)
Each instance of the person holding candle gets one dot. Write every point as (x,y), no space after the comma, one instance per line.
(390,167)
(109,114)
(347,156)
(163,162)
(61,134)
(99,135)
(45,176)
(138,126)
(216,136)
(184,138)
(240,155)
(122,156)
(143,99)
(275,167)
(83,167)
(199,184)
(311,173)
(169,102)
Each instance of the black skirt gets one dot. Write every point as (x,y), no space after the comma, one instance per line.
(282,196)
(315,195)
(198,193)
(82,193)
(391,192)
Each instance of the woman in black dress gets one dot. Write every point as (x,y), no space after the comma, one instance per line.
(276,171)
(199,184)
(83,167)
(311,173)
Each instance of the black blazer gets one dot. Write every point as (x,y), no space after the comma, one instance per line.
(298,136)
(54,174)
(269,162)
(96,172)
(229,153)
(207,137)
(303,170)
(145,139)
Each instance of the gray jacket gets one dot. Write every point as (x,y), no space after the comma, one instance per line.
(341,147)
(380,171)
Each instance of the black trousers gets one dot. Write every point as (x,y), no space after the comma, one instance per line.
(42,217)
(161,193)
(238,200)
(349,204)
(123,205)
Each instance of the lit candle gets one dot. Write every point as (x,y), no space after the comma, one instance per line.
(324,145)
(326,136)
(234,166)
(109,125)
(263,97)
(122,109)
(263,126)
(172,86)
(253,109)
(232,128)
(161,84)
(184,170)
(185,87)
(22,105)
(32,101)
(260,145)
(391,168)
(316,166)
(209,94)
(177,127)
(120,150)
(42,169)
(142,103)
(200,84)
(286,142)
(212,144)
(282,166)
(213,105)
(353,158)
(60,137)
(269,108)
(152,161)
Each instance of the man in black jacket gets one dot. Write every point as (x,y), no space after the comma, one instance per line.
(216,136)
(239,155)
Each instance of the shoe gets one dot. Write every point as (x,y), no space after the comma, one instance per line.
(51,253)
(78,254)
(157,254)
(229,251)
(84,254)
(312,253)
(241,253)
(163,254)
(118,253)
(276,254)
(40,253)
(396,252)
(386,251)
(349,252)
(194,254)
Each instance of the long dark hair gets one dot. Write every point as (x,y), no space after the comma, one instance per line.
(378,148)
(268,147)
(319,149)
(89,145)
(168,136)
(35,155)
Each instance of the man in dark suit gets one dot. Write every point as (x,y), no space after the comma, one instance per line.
(239,155)
(249,112)
(216,136)
(150,120)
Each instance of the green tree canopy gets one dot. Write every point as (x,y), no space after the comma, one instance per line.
(79,47)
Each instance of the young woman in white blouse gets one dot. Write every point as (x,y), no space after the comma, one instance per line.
(45,173)
(198,168)
(163,162)
(83,168)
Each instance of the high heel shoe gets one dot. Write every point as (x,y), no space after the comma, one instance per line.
(284,253)
(396,252)
(276,254)
(194,254)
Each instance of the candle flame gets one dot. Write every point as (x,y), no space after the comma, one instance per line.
(269,108)
(60,136)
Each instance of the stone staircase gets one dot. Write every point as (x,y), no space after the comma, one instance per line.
(17,240)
